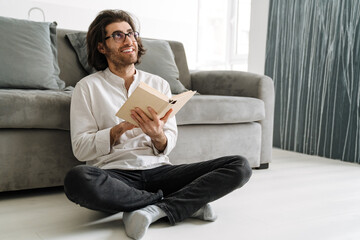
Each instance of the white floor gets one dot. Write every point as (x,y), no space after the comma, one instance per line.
(299,197)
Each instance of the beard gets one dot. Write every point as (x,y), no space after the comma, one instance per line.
(119,58)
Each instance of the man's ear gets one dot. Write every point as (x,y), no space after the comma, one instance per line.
(101,48)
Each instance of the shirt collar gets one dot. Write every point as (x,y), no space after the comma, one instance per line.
(113,77)
(110,76)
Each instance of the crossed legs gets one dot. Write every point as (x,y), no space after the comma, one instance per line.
(176,192)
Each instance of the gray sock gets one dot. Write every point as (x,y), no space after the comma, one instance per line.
(205,213)
(137,222)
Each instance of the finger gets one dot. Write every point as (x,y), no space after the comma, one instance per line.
(136,117)
(141,114)
(154,115)
(167,115)
(128,126)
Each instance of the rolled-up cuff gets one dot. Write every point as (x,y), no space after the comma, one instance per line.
(102,141)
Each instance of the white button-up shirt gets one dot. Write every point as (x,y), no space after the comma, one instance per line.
(95,101)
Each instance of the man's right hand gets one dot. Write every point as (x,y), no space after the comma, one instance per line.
(118,130)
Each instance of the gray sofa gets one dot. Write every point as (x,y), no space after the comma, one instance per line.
(232,115)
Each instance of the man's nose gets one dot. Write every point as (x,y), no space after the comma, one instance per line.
(127,40)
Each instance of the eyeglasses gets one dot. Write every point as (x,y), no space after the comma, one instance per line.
(120,36)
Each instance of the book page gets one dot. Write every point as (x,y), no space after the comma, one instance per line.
(153,91)
(178,101)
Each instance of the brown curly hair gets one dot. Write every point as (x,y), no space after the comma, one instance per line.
(96,33)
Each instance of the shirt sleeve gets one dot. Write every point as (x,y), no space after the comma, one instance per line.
(170,128)
(88,142)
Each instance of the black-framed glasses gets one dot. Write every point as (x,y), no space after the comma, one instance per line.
(120,36)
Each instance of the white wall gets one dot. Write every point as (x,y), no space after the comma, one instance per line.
(257,35)
(164,19)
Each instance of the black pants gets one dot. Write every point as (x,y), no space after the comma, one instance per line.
(179,190)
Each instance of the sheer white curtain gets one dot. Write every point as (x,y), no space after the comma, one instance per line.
(223,34)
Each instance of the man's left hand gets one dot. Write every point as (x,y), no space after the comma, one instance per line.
(152,127)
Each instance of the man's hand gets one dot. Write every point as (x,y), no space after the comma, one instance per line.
(118,130)
(153,128)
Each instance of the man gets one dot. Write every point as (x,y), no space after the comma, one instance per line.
(127,168)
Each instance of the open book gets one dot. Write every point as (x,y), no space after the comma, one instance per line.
(145,96)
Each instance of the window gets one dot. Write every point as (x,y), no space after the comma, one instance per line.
(223,34)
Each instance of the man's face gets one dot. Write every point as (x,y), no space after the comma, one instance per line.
(122,53)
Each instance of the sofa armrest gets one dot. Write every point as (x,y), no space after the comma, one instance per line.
(230,83)
(236,83)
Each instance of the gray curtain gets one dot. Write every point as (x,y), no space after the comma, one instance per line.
(313,55)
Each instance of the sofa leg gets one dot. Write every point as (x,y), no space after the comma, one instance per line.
(262,166)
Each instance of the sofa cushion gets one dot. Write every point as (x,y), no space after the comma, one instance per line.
(211,109)
(28,55)
(78,42)
(48,109)
(158,59)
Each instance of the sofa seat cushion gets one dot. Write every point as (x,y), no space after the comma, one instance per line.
(47,109)
(211,109)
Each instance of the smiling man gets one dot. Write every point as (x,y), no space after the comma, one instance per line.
(127,168)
